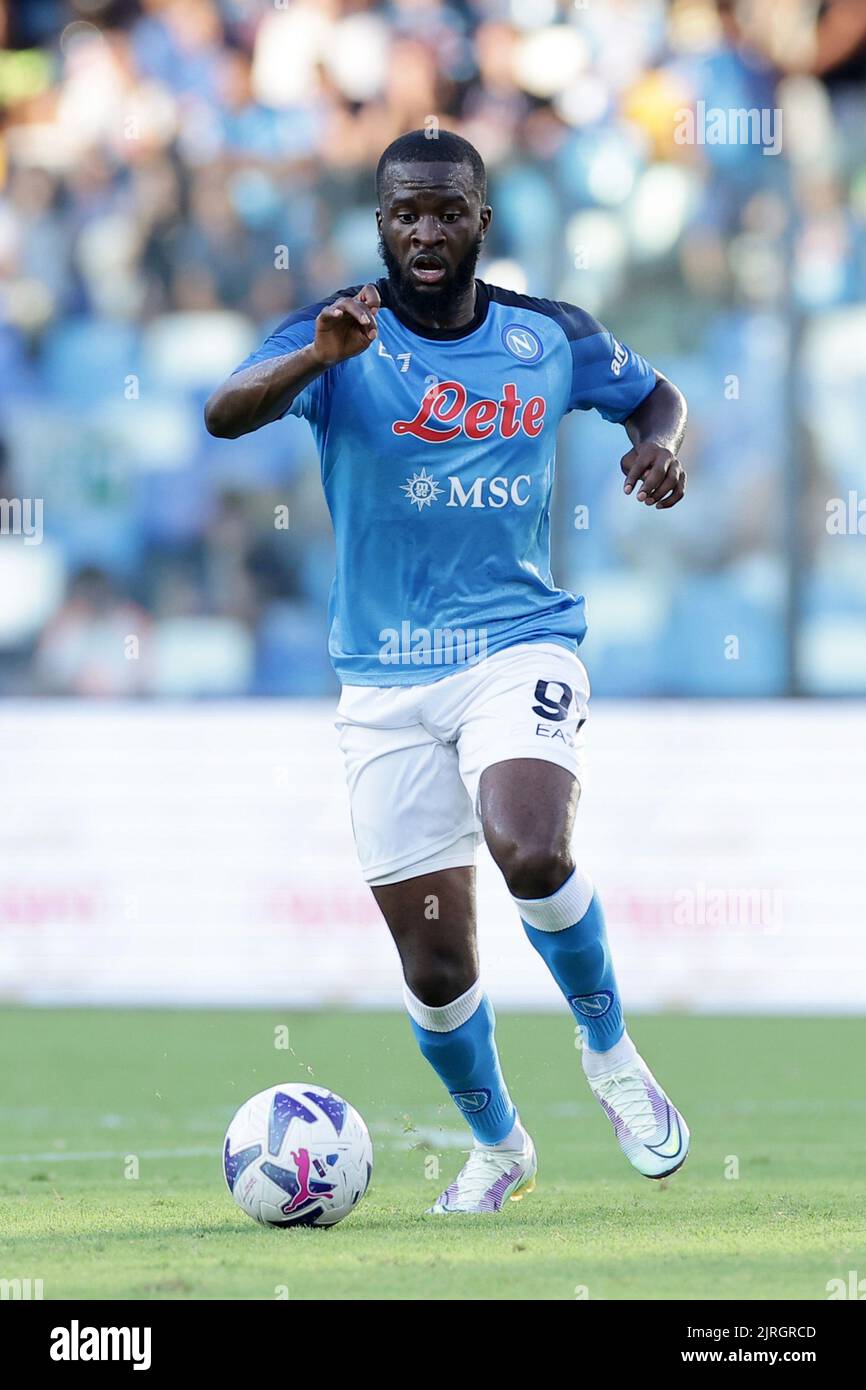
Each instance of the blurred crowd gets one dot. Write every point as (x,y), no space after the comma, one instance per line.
(176,175)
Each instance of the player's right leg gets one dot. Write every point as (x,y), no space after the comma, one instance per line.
(415,831)
(432,920)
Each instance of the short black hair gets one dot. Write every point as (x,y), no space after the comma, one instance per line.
(432,147)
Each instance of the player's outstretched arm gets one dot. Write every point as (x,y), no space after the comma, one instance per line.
(656,431)
(263,392)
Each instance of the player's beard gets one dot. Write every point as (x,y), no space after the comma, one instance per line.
(443,301)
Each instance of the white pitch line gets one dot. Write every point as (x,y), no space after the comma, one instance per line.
(388,1136)
(66,1156)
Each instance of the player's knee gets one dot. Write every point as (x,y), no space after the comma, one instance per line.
(439,980)
(534,871)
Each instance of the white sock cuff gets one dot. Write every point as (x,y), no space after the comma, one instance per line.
(563,908)
(443,1018)
(622,1054)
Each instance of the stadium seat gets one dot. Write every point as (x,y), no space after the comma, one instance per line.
(201,656)
(86,360)
(191,351)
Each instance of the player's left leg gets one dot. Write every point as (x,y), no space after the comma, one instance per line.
(527,808)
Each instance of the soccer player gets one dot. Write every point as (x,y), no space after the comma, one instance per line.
(435,399)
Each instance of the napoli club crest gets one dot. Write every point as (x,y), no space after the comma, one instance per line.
(522,343)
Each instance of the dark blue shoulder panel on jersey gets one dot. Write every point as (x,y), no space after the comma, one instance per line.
(574,322)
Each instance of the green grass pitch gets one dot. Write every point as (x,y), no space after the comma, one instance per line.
(778,1101)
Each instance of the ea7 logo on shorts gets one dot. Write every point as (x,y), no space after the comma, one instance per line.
(471,1101)
(443,415)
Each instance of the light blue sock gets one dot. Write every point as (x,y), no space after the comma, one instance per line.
(567,930)
(457,1040)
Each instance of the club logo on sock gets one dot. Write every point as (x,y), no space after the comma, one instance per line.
(471,1101)
(591,1005)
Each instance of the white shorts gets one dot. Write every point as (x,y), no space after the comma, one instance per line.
(414,754)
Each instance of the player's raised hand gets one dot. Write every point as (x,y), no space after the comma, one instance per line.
(661,476)
(347,327)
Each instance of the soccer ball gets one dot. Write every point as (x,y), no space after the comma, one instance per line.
(297,1155)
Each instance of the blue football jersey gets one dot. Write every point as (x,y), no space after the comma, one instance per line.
(437,456)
